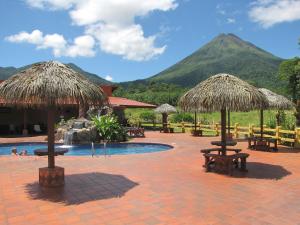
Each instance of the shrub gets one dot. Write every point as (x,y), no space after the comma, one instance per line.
(134,120)
(148,117)
(182,117)
(109,128)
(271,122)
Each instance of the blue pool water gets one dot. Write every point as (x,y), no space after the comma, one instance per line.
(111,149)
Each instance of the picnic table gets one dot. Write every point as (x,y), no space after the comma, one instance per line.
(228,143)
(136,132)
(224,163)
(262,143)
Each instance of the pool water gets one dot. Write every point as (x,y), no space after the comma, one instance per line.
(111,149)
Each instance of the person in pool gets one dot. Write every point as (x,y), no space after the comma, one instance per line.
(14,151)
(23,152)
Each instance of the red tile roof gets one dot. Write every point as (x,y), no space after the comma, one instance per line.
(128,103)
(117,101)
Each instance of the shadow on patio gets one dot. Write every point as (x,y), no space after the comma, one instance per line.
(259,170)
(81,188)
(285,149)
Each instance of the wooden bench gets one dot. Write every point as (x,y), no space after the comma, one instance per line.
(136,132)
(209,160)
(264,143)
(219,150)
(166,130)
(197,133)
(225,163)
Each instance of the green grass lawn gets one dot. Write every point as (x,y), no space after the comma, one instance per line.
(243,118)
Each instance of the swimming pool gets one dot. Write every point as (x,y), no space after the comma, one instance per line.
(85,149)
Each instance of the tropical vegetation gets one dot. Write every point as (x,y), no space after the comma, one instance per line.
(109,128)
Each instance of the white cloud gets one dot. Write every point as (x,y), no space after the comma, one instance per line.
(109,78)
(50,4)
(112,23)
(230,20)
(36,37)
(82,46)
(128,42)
(270,12)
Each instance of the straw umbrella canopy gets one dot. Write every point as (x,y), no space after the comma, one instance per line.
(223,92)
(49,85)
(276,101)
(165,109)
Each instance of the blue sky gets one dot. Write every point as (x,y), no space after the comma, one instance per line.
(133,39)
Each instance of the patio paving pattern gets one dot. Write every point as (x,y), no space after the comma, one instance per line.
(169,187)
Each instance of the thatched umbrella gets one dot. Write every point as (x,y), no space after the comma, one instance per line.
(165,109)
(49,85)
(276,101)
(220,93)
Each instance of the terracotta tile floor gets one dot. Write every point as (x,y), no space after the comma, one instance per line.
(151,189)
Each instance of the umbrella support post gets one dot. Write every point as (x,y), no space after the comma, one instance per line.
(52,177)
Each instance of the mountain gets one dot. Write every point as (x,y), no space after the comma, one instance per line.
(6,72)
(226,53)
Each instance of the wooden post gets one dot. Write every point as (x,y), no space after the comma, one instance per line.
(236,130)
(165,122)
(82,111)
(223,131)
(182,127)
(51,160)
(217,129)
(297,136)
(252,129)
(228,122)
(277,134)
(25,130)
(195,121)
(261,123)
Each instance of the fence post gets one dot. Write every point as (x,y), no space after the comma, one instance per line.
(199,125)
(182,127)
(264,127)
(217,129)
(236,130)
(250,130)
(297,138)
(277,134)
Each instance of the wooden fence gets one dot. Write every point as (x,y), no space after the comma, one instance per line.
(283,136)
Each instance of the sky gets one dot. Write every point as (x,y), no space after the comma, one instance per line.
(123,40)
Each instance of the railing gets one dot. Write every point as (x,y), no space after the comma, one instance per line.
(237,131)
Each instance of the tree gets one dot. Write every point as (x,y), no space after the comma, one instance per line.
(290,70)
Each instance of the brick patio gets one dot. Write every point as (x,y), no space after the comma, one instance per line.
(157,188)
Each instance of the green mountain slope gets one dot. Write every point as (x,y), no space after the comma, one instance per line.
(6,72)
(226,53)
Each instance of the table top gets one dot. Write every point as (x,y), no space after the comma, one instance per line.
(262,138)
(44,151)
(228,143)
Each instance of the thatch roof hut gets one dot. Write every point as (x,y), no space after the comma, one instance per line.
(48,85)
(223,92)
(276,101)
(165,109)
